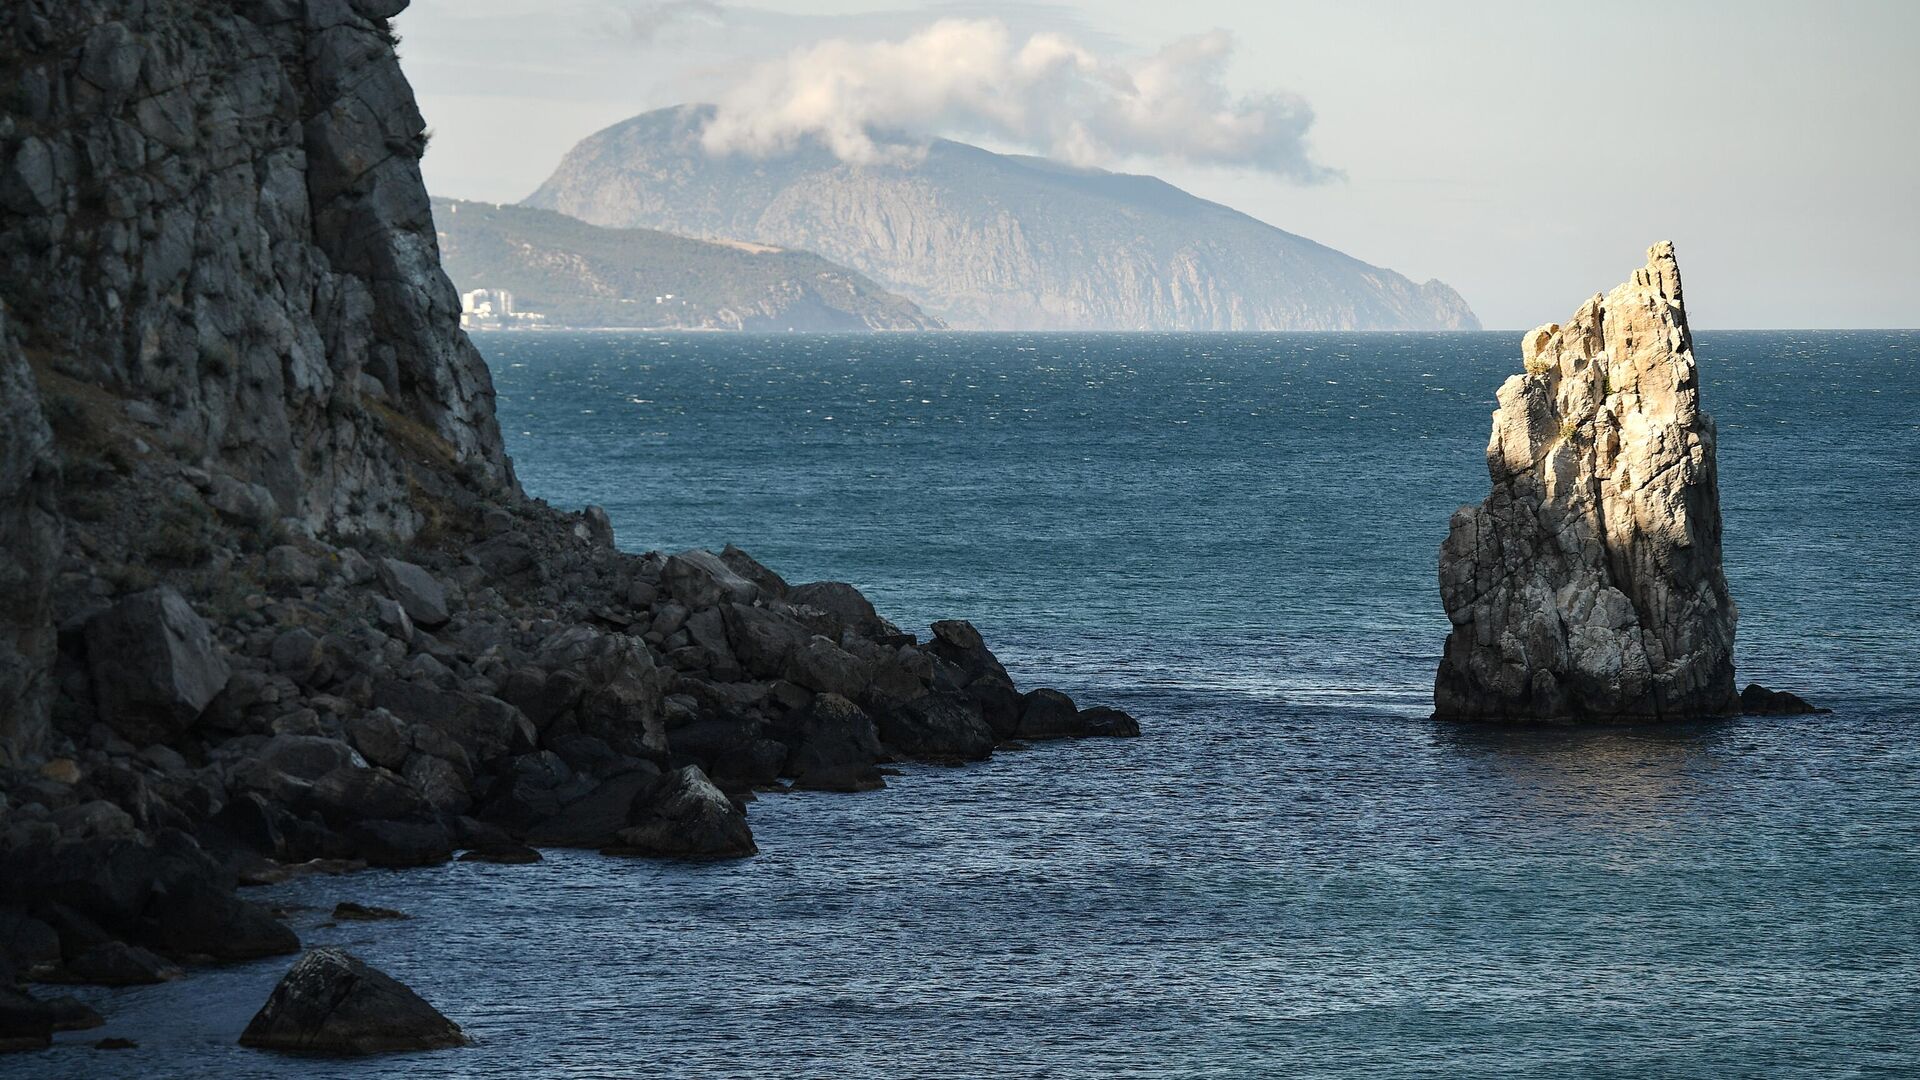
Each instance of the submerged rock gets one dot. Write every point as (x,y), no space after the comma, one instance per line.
(1588,584)
(332,1002)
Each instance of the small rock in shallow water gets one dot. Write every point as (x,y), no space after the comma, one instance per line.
(116,1044)
(510,854)
(1101,721)
(347,909)
(332,1002)
(1757,700)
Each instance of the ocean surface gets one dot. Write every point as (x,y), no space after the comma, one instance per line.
(1294,872)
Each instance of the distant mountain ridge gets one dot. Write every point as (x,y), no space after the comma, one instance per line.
(995,241)
(582,275)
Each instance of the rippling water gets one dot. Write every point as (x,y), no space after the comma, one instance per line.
(1293,872)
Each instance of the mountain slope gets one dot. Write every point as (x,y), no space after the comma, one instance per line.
(992,241)
(578,274)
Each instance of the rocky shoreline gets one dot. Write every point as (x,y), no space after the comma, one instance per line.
(276,603)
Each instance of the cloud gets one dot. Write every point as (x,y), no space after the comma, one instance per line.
(647,21)
(879,101)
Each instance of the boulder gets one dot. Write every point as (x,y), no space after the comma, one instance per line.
(116,963)
(1757,700)
(28,946)
(195,920)
(700,579)
(1588,585)
(771,585)
(762,639)
(332,1002)
(1103,722)
(154,664)
(415,590)
(940,727)
(596,819)
(486,727)
(398,844)
(26,1023)
(825,668)
(836,598)
(72,1014)
(835,747)
(380,737)
(684,816)
(1049,714)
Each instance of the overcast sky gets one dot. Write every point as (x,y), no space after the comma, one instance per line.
(1523,152)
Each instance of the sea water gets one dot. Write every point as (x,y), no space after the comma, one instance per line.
(1294,872)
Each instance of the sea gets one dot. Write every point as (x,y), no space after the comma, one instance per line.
(1294,872)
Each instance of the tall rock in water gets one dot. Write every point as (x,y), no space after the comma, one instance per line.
(1588,584)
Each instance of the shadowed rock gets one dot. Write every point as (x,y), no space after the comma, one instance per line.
(155,665)
(1757,700)
(1588,584)
(332,1002)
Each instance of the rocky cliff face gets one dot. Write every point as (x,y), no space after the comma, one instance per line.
(220,273)
(274,603)
(1588,584)
(990,241)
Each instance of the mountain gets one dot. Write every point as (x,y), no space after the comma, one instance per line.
(578,274)
(994,241)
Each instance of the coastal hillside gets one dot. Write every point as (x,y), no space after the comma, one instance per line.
(990,241)
(580,275)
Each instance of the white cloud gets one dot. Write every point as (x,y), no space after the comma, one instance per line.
(878,101)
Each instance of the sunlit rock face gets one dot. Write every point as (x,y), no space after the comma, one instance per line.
(1588,584)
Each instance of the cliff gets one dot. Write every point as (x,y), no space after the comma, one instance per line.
(990,241)
(1588,584)
(581,275)
(276,604)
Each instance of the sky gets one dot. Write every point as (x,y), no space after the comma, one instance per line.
(1526,153)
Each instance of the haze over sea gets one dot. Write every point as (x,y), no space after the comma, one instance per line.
(1294,872)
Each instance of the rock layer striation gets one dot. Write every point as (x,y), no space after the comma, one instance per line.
(1588,584)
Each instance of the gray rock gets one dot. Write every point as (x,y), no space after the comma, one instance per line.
(116,963)
(825,668)
(415,590)
(943,727)
(31,535)
(155,665)
(684,816)
(1049,714)
(700,579)
(332,1002)
(836,598)
(380,737)
(836,747)
(393,618)
(1103,722)
(1588,584)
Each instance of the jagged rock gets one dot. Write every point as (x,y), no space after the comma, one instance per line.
(31,533)
(71,1014)
(977,674)
(595,819)
(332,1002)
(836,746)
(155,665)
(941,727)
(684,816)
(417,592)
(700,579)
(1757,700)
(1588,584)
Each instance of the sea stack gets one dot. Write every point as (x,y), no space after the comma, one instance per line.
(1588,585)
